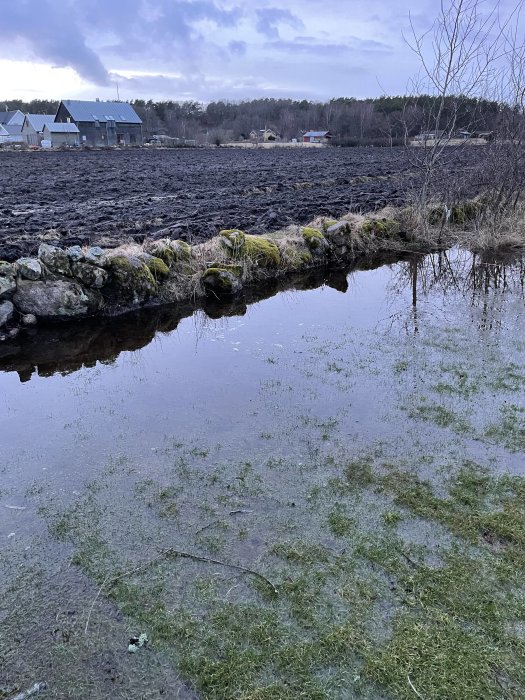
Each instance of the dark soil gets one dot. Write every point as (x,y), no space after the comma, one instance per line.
(110,197)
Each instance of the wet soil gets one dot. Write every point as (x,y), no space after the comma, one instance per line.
(110,197)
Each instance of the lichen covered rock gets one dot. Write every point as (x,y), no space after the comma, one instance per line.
(55,259)
(55,299)
(7,311)
(29,268)
(89,275)
(7,280)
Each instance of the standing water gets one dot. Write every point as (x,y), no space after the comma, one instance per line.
(271,496)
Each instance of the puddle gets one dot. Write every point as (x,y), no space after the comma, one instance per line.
(171,426)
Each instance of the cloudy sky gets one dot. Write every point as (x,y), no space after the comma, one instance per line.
(208,49)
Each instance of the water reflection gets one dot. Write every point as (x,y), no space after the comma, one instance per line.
(488,282)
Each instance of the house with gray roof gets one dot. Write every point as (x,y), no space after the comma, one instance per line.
(13,118)
(102,123)
(11,133)
(33,127)
(61,134)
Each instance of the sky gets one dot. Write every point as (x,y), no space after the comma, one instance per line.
(206,50)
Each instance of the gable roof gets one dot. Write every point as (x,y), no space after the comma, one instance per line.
(56,128)
(317,134)
(84,111)
(13,129)
(38,121)
(13,117)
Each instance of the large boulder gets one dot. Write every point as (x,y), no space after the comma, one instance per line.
(7,279)
(29,268)
(55,259)
(6,312)
(58,299)
(131,281)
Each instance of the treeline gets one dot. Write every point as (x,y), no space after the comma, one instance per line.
(380,121)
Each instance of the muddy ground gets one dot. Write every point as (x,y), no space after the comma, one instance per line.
(108,197)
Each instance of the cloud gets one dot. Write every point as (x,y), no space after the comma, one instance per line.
(269,19)
(68,33)
(238,47)
(47,28)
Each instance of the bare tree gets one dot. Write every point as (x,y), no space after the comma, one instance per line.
(464,57)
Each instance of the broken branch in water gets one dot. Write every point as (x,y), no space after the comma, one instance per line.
(166,553)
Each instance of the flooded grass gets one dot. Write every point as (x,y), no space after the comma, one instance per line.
(350,523)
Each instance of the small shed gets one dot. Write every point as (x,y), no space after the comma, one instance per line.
(33,127)
(317,137)
(61,134)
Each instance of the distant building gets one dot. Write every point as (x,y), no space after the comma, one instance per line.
(13,118)
(11,133)
(102,123)
(33,127)
(265,135)
(317,137)
(61,134)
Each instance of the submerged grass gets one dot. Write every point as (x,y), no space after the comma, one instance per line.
(448,610)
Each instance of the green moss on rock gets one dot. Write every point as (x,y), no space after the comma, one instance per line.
(222,280)
(313,237)
(157,267)
(261,251)
(131,277)
(381,227)
(182,250)
(234,240)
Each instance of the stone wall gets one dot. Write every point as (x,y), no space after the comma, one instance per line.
(59,284)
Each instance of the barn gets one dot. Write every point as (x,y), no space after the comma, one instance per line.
(317,137)
(102,123)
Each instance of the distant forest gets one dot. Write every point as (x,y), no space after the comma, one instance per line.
(353,122)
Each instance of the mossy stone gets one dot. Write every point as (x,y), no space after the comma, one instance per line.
(315,240)
(131,277)
(221,281)
(157,267)
(381,227)
(261,251)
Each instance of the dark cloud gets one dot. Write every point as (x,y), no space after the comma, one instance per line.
(58,31)
(48,28)
(269,19)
